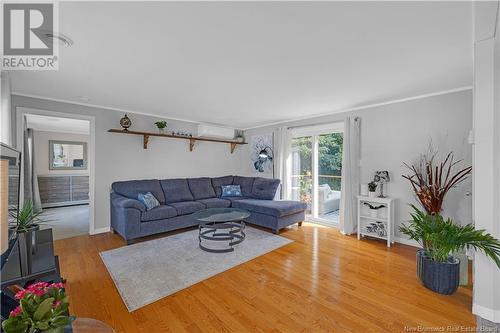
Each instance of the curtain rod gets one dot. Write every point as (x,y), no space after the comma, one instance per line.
(318,124)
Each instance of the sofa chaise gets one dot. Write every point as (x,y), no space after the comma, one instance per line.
(181,197)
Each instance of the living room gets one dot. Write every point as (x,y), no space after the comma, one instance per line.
(256,166)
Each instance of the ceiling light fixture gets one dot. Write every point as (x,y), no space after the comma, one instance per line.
(60,38)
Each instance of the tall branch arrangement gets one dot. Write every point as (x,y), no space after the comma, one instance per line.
(432,180)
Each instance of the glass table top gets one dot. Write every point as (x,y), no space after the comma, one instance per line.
(221,214)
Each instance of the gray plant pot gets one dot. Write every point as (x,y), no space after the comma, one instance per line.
(441,277)
(28,246)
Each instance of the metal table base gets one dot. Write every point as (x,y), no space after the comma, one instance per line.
(232,232)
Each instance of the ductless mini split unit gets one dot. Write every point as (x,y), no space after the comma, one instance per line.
(212,131)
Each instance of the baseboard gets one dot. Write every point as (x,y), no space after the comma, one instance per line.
(405,241)
(101,230)
(486,313)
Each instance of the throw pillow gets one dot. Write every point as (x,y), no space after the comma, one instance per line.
(149,200)
(231,191)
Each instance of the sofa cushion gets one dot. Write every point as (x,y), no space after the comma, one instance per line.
(132,188)
(148,199)
(159,213)
(215,203)
(231,191)
(176,190)
(265,188)
(218,182)
(187,207)
(277,208)
(246,184)
(201,188)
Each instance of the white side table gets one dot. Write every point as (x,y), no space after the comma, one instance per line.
(379,225)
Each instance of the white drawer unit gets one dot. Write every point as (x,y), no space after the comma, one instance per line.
(376,223)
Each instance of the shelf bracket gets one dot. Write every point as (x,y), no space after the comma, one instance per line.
(233,146)
(191,144)
(146,140)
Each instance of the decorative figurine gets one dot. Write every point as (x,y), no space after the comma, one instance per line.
(125,122)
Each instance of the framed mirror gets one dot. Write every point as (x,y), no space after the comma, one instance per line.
(67,155)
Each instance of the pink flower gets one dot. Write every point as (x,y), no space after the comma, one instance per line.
(38,292)
(21,293)
(56,304)
(16,312)
(38,285)
(58,285)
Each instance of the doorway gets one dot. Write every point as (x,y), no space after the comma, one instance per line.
(58,169)
(316,171)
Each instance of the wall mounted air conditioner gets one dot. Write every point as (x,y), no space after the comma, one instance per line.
(212,131)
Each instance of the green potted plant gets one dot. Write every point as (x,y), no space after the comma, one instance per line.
(440,238)
(372,187)
(25,223)
(161,125)
(431,180)
(43,308)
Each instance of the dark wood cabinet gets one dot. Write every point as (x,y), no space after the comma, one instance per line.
(63,190)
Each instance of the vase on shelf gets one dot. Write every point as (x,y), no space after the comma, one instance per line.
(371,194)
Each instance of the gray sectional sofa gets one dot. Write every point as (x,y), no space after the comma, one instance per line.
(181,197)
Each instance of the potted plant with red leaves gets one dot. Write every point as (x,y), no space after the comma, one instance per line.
(43,307)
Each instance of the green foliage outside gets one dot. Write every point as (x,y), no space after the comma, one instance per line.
(329,159)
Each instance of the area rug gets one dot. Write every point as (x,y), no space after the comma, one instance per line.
(146,272)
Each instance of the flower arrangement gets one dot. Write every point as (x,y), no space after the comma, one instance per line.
(43,307)
(432,180)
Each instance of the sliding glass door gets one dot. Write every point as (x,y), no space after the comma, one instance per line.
(316,170)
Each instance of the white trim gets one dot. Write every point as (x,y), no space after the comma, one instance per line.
(486,313)
(444,92)
(107,108)
(21,112)
(405,241)
(101,230)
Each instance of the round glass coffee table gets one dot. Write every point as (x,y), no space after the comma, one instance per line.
(221,225)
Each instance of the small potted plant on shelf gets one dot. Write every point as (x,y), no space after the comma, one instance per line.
(161,125)
(373,209)
(25,223)
(440,238)
(372,187)
(43,307)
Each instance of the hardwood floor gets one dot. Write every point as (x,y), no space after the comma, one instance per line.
(322,282)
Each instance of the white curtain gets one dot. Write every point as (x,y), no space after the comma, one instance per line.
(350,175)
(282,141)
(31,191)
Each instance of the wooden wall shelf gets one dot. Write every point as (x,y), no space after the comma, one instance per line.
(192,139)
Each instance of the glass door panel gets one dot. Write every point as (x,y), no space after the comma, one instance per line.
(301,170)
(329,174)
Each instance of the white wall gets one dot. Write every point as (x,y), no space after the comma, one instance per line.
(121,157)
(5,99)
(486,115)
(400,132)
(42,151)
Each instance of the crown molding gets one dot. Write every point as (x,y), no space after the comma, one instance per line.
(406,99)
(368,106)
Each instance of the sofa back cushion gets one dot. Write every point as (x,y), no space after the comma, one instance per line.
(131,188)
(265,188)
(201,188)
(246,184)
(176,190)
(218,182)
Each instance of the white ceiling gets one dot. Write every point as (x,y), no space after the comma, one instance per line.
(245,64)
(56,124)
